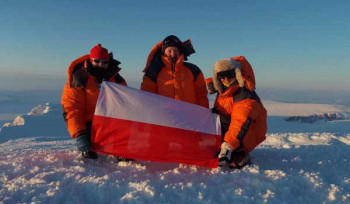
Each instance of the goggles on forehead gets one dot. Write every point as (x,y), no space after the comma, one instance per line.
(228,74)
(98,61)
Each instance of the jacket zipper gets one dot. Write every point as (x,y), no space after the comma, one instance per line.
(173,69)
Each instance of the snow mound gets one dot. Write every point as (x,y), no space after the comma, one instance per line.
(41,120)
(303,167)
(36,111)
(40,110)
(19,120)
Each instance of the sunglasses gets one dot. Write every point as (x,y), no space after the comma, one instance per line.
(228,74)
(98,61)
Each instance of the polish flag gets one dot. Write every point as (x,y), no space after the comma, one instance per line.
(140,125)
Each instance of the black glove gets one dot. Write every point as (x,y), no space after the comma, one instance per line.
(83,142)
(83,145)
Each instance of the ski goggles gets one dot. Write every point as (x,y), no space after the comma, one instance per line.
(98,61)
(228,74)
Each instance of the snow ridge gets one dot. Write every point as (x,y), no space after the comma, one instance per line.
(19,120)
(40,110)
(41,120)
(36,111)
(316,117)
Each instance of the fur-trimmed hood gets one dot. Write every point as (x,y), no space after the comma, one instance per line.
(225,65)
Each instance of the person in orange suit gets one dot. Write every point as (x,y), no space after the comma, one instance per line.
(167,73)
(243,116)
(81,91)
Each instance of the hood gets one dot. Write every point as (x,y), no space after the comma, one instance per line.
(225,65)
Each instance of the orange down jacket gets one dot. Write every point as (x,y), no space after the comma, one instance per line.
(181,80)
(80,95)
(246,115)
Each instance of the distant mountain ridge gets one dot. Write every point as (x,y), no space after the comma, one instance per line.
(316,117)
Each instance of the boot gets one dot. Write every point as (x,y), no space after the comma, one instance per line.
(240,163)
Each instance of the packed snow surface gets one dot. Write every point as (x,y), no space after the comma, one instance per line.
(298,163)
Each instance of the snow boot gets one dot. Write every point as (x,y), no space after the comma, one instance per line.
(240,163)
(89,154)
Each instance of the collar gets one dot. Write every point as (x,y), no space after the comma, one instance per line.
(179,61)
(229,91)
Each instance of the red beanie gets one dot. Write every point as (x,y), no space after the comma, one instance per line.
(99,52)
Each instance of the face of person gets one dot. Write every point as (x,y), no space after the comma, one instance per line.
(172,52)
(227,81)
(99,63)
(227,77)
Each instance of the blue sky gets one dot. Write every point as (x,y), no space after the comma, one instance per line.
(291,45)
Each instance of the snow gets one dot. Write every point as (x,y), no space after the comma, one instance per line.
(19,120)
(298,163)
(40,110)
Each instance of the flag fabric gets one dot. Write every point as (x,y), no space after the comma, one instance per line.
(140,125)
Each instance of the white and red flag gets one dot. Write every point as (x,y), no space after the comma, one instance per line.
(140,125)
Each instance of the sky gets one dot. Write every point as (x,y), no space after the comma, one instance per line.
(299,44)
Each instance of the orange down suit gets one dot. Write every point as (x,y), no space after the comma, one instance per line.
(175,80)
(247,116)
(241,109)
(79,99)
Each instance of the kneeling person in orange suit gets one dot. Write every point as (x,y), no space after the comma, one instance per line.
(243,116)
